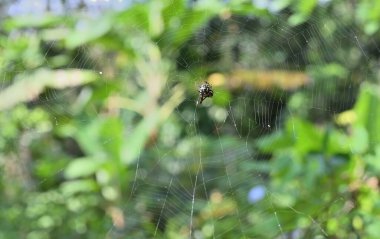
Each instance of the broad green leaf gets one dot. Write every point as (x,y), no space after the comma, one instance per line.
(306,7)
(135,142)
(90,137)
(359,140)
(29,86)
(273,142)
(37,20)
(368,13)
(156,23)
(247,8)
(134,18)
(176,6)
(88,31)
(373,229)
(222,98)
(83,167)
(367,111)
(373,161)
(332,70)
(338,143)
(190,22)
(78,186)
(180,27)
(303,12)
(307,137)
(297,19)
(54,34)
(111,136)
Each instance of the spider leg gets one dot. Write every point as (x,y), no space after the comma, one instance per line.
(200,99)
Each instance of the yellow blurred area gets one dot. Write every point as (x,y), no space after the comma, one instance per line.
(346,118)
(261,80)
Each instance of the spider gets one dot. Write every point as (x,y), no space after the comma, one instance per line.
(205,90)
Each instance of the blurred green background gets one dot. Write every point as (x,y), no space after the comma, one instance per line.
(101,136)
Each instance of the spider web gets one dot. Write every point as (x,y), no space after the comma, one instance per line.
(211,179)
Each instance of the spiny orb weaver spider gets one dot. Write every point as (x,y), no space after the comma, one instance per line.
(205,91)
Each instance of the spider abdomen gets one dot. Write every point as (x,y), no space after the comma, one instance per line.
(205,91)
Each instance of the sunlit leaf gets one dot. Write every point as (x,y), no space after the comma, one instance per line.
(77,186)
(180,27)
(307,137)
(135,143)
(36,20)
(359,140)
(156,24)
(29,86)
(89,137)
(368,112)
(82,167)
(274,142)
(88,31)
(374,162)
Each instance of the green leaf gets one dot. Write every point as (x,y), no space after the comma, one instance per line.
(371,27)
(297,19)
(101,137)
(332,70)
(71,187)
(307,137)
(181,26)
(156,22)
(273,142)
(306,7)
(131,19)
(88,137)
(247,8)
(373,161)
(373,229)
(88,31)
(135,142)
(338,143)
(222,98)
(111,134)
(83,167)
(359,140)
(36,20)
(368,13)
(303,12)
(29,86)
(368,113)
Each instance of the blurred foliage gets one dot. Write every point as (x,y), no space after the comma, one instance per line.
(100,136)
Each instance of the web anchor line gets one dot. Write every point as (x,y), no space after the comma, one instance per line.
(163,207)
